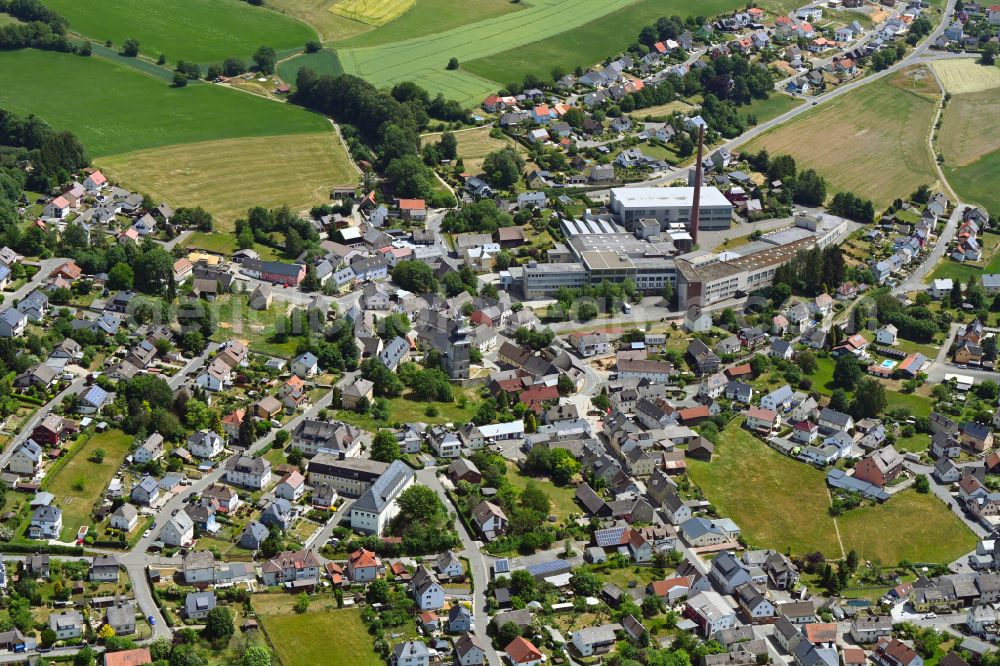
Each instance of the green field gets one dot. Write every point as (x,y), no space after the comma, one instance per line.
(225,244)
(976,182)
(404,410)
(325,61)
(423,59)
(949,268)
(911,526)
(114,109)
(563,497)
(778,502)
(200,30)
(781,503)
(772,107)
(579,42)
(430,17)
(80,483)
(295,637)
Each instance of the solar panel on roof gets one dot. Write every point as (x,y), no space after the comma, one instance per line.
(609,537)
(501,566)
(546,568)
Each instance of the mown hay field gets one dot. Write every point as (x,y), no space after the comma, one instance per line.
(870,141)
(228,176)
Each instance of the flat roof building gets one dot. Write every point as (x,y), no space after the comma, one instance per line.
(670,205)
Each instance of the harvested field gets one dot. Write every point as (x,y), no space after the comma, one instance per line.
(884,123)
(966,76)
(191,173)
(319,14)
(971,127)
(372,12)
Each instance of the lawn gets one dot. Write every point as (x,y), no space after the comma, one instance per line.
(662,110)
(80,482)
(345,639)
(474,145)
(404,410)
(970,128)
(772,107)
(949,268)
(778,502)
(579,36)
(191,174)
(115,109)
(200,30)
(883,123)
(225,244)
(822,379)
(922,528)
(560,32)
(563,497)
(917,404)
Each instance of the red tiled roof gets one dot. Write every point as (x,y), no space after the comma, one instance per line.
(521,651)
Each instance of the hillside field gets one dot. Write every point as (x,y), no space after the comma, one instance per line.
(423,59)
(228,176)
(970,128)
(324,61)
(584,43)
(870,141)
(977,182)
(115,109)
(200,30)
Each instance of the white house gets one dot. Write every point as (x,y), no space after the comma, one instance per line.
(594,640)
(291,487)
(150,450)
(940,287)
(26,459)
(305,365)
(248,472)
(427,591)
(886,335)
(697,321)
(124,518)
(377,506)
(178,531)
(205,444)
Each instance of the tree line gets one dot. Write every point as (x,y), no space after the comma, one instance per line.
(40,27)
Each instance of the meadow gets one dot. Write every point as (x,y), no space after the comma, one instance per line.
(324,61)
(778,502)
(474,145)
(191,173)
(977,183)
(883,123)
(204,31)
(293,635)
(581,42)
(782,503)
(933,533)
(80,481)
(423,59)
(115,109)
(948,268)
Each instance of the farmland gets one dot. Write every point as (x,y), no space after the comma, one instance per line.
(976,183)
(293,635)
(372,12)
(423,59)
(474,145)
(965,75)
(200,30)
(970,128)
(116,109)
(191,173)
(884,122)
(579,42)
(81,481)
(325,61)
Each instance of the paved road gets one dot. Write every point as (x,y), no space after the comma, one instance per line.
(39,279)
(179,238)
(477,563)
(194,364)
(42,412)
(915,281)
(943,493)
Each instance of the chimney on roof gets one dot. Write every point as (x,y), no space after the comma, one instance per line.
(698,173)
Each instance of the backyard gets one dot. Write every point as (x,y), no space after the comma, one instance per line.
(80,482)
(255,327)
(293,635)
(562,497)
(404,410)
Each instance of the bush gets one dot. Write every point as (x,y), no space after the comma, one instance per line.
(453,63)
